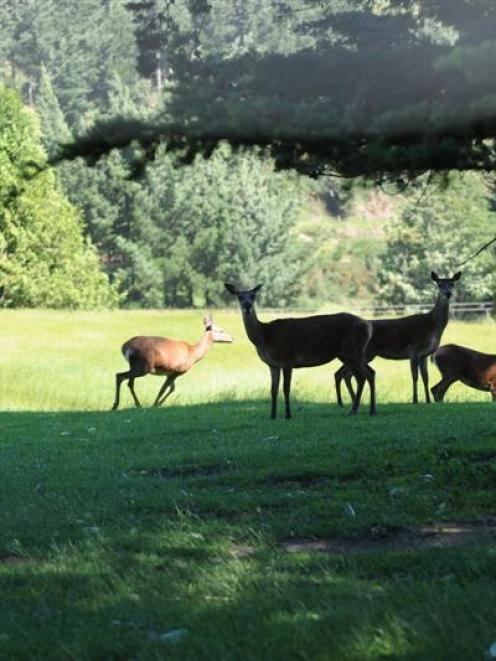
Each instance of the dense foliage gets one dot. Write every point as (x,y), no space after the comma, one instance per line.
(439,235)
(174,238)
(44,260)
(326,85)
(380,88)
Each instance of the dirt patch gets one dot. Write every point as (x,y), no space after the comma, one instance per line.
(184,471)
(395,538)
(227,515)
(297,480)
(479,457)
(241,550)
(309,479)
(13,560)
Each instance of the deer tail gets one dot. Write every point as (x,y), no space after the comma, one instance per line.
(127,351)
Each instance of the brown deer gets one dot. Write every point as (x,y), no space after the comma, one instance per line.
(284,344)
(163,357)
(411,338)
(473,368)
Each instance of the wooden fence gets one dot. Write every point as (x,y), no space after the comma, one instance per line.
(456,309)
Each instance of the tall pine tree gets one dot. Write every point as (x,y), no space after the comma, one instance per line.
(44,260)
(53,125)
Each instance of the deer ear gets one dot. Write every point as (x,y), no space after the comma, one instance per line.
(230,288)
(205,321)
(257,288)
(434,276)
(457,276)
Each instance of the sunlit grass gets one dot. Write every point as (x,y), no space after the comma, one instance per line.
(67,361)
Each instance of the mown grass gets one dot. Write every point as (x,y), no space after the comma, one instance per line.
(66,361)
(151,534)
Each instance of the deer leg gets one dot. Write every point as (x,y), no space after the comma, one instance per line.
(343,373)
(349,385)
(130,385)
(168,383)
(119,378)
(370,376)
(414,366)
(338,377)
(425,378)
(275,374)
(287,388)
(365,373)
(348,376)
(362,373)
(439,390)
(356,365)
(360,379)
(356,368)
(172,389)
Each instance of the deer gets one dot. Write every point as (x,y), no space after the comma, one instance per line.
(473,368)
(164,357)
(285,344)
(411,338)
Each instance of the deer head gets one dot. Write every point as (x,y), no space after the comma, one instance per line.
(218,334)
(246,298)
(446,285)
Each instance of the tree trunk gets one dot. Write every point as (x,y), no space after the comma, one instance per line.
(158,72)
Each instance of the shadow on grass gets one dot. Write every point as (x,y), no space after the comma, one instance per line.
(127,523)
(168,601)
(262,406)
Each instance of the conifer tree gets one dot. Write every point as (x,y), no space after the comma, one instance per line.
(54,128)
(44,260)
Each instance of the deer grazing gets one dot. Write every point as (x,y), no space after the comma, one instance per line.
(473,368)
(285,344)
(164,357)
(411,338)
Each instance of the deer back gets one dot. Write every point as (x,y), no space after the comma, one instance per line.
(311,341)
(474,368)
(159,355)
(397,338)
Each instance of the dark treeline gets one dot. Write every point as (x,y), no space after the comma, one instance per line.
(342,85)
(381,89)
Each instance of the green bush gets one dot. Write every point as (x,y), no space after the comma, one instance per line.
(44,258)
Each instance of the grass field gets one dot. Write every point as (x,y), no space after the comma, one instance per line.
(66,361)
(204,530)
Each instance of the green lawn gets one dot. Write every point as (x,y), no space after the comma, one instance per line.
(152,534)
(60,361)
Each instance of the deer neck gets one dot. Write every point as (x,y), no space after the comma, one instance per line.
(202,347)
(440,311)
(253,326)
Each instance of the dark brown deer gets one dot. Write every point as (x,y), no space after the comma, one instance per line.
(473,368)
(411,338)
(285,344)
(164,357)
